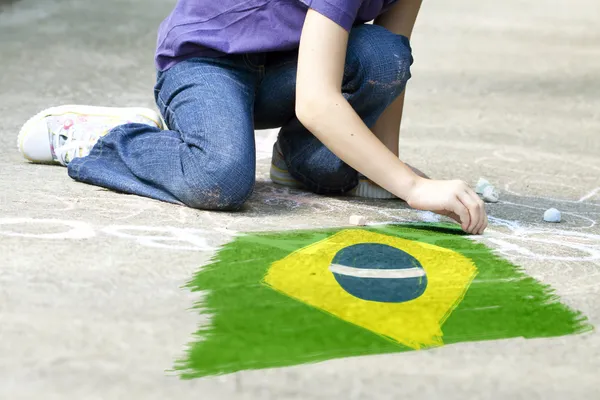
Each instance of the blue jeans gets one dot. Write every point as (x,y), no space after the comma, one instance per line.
(212,106)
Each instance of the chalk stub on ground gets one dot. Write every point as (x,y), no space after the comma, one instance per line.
(358,220)
(552,215)
(481,184)
(490,194)
(487,191)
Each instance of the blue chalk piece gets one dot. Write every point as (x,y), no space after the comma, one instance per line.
(378,272)
(552,215)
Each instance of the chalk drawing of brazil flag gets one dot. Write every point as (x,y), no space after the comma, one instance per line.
(378,265)
(280,299)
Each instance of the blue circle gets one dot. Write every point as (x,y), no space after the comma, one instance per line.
(375,285)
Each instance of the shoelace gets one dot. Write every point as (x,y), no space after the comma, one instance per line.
(77,143)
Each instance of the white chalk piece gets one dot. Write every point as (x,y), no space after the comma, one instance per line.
(487,191)
(358,220)
(552,215)
(490,194)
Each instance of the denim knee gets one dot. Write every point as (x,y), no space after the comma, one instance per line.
(226,189)
(383,59)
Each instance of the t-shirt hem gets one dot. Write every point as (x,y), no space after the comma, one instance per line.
(337,15)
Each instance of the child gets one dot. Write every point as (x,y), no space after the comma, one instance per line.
(334,85)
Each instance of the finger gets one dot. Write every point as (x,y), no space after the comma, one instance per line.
(485,224)
(482,220)
(473,209)
(461,210)
(482,217)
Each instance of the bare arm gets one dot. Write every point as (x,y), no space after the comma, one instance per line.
(321,107)
(323,110)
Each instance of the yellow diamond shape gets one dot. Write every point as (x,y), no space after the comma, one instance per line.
(304,275)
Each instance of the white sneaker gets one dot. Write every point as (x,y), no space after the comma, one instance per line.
(60,134)
(368,189)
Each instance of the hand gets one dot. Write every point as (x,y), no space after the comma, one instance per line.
(454,199)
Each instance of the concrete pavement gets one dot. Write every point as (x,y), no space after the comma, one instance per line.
(90,299)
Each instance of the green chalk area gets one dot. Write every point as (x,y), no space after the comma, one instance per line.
(253,326)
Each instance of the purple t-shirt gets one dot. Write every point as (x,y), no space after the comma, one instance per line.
(215,27)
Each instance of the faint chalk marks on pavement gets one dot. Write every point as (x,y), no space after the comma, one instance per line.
(589,195)
(292,199)
(496,155)
(164,237)
(508,187)
(541,243)
(123,209)
(428,216)
(589,222)
(555,176)
(46,228)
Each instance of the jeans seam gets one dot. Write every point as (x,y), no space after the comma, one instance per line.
(159,99)
(250,64)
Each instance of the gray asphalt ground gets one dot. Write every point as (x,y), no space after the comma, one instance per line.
(90,298)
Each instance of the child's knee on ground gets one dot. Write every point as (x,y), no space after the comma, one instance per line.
(227,189)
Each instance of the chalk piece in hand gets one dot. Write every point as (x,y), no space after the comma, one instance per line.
(552,215)
(358,220)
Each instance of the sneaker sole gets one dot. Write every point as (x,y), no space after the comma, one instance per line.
(86,110)
(283,178)
(369,190)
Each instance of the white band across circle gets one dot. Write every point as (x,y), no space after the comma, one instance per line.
(377,273)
